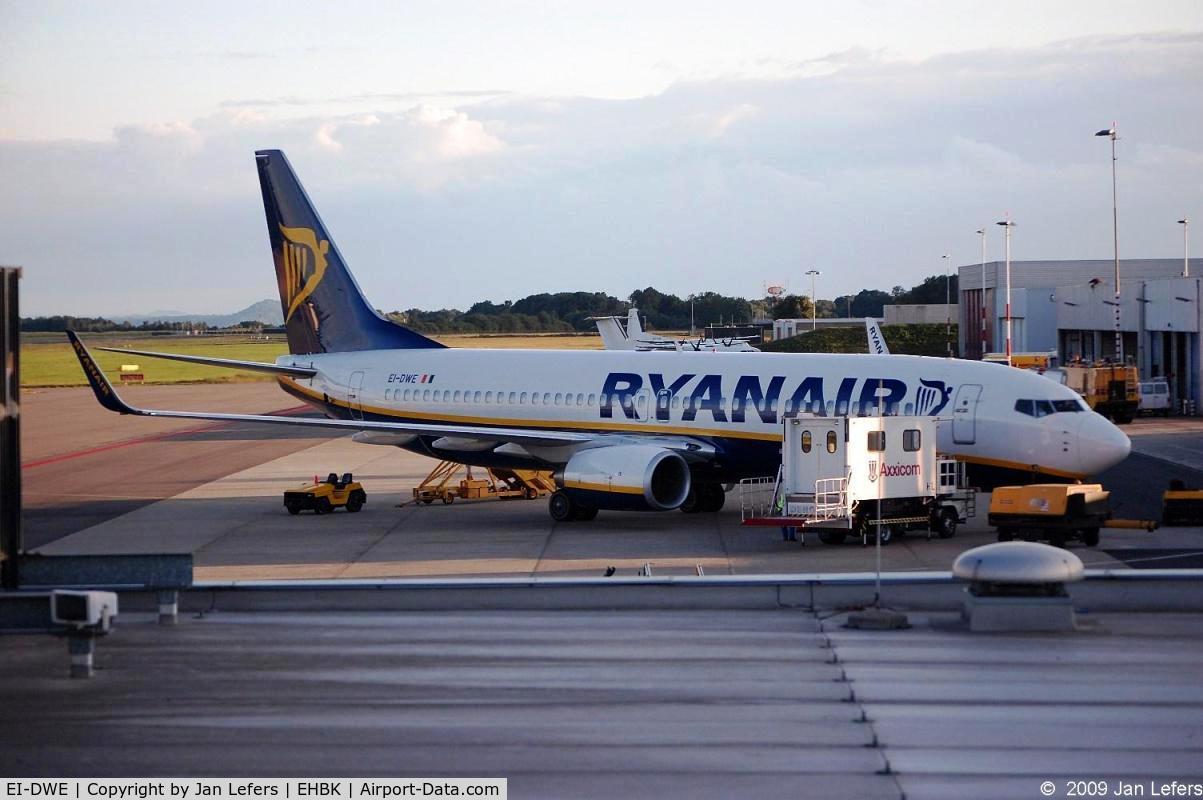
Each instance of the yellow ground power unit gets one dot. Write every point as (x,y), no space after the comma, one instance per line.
(1053,511)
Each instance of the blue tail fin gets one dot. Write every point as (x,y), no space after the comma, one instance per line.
(324,310)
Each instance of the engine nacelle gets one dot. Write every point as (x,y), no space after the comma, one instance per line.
(627,477)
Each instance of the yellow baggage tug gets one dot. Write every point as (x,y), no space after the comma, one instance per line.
(1053,511)
(322,497)
(1182,506)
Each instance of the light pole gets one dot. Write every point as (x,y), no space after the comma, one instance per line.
(812,273)
(947,259)
(1119,336)
(1007,225)
(982,233)
(1185,223)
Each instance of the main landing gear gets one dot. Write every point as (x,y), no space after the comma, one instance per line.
(564,509)
(704,498)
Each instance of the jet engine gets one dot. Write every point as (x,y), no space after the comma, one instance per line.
(626,477)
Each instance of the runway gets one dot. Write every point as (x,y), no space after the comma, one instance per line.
(100,483)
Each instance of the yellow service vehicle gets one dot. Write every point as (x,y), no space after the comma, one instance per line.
(1053,511)
(1182,506)
(322,497)
(1112,390)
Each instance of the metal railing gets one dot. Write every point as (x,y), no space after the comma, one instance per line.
(831,498)
(757,497)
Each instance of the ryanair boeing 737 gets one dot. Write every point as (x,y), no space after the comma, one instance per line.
(620,429)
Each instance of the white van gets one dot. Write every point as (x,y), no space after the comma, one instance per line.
(1155,397)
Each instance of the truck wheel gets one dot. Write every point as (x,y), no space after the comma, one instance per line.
(1005,535)
(559,505)
(887,533)
(448,499)
(355,502)
(322,506)
(1090,537)
(832,537)
(531,493)
(293,507)
(946,523)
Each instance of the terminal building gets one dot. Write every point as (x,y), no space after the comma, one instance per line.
(1069,306)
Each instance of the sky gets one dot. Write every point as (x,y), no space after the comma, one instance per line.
(466,151)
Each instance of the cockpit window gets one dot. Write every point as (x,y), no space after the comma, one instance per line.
(1042,408)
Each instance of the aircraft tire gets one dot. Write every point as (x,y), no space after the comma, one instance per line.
(561,507)
(712,498)
(693,500)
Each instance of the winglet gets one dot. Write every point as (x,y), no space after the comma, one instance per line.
(105,393)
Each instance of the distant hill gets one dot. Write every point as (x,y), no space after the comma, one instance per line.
(266,311)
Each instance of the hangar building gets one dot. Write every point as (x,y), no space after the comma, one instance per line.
(1069,306)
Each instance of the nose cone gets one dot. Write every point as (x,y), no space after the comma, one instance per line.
(1101,445)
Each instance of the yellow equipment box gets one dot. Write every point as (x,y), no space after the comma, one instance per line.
(1052,511)
(1182,506)
(322,497)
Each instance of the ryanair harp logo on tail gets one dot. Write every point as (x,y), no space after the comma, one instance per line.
(304,264)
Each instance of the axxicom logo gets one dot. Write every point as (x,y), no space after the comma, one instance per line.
(901,470)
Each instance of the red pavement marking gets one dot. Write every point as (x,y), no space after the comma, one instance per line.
(156,437)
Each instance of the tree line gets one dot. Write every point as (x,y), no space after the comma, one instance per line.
(567,312)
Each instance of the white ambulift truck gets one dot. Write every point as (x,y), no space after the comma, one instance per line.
(863,476)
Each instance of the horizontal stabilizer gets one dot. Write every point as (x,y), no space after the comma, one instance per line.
(249,366)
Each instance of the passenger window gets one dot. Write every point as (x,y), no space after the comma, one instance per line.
(547,398)
(805,441)
(522,399)
(455,397)
(877,441)
(426,396)
(592,399)
(407,394)
(476,397)
(832,442)
(1025,407)
(534,398)
(513,397)
(580,399)
(488,397)
(911,440)
(559,398)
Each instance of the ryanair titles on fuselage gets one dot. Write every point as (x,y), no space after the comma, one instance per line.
(751,397)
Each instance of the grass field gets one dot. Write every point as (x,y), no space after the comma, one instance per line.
(48,360)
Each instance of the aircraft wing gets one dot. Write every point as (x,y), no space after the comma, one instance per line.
(249,366)
(108,397)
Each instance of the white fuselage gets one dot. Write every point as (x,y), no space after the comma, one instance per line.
(729,400)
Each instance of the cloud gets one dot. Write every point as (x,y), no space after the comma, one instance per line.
(864,167)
